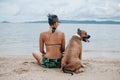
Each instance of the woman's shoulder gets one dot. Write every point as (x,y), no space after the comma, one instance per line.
(48,32)
(60,32)
(43,33)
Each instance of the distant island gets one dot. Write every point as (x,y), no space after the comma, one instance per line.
(79,22)
(72,22)
(5,22)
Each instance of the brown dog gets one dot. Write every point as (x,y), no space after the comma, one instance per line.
(71,61)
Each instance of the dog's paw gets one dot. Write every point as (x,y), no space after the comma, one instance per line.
(79,71)
(82,70)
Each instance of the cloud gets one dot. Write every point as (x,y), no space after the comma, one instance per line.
(7,10)
(25,10)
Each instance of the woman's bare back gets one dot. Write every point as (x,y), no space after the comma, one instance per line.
(54,43)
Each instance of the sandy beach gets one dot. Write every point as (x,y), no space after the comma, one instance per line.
(24,67)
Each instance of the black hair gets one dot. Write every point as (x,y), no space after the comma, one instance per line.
(52,19)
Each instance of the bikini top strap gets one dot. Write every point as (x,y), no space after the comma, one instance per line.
(52,44)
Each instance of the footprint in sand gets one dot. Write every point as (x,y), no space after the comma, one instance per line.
(3,74)
(23,69)
(26,63)
(20,70)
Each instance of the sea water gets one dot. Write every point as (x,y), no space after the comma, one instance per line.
(23,38)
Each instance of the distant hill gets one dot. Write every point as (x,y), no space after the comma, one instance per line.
(79,22)
(73,22)
(5,22)
(90,22)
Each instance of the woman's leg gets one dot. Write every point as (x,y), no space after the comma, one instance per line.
(37,56)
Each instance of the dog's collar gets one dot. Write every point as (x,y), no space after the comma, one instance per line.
(77,35)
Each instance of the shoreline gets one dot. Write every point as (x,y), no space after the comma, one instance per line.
(25,67)
(85,54)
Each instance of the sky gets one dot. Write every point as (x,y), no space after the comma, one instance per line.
(31,10)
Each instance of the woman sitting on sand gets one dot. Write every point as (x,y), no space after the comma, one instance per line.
(54,42)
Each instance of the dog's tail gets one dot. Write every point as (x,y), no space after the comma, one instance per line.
(66,71)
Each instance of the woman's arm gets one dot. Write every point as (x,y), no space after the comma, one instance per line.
(41,44)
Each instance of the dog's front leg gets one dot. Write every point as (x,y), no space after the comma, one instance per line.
(80,57)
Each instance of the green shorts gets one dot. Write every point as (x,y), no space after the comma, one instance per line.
(51,63)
